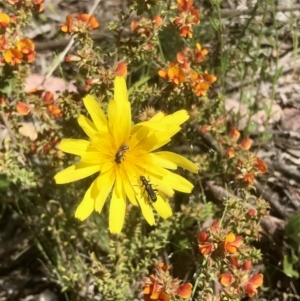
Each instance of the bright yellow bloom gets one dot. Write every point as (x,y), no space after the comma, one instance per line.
(123,153)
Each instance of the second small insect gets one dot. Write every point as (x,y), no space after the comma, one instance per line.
(151,193)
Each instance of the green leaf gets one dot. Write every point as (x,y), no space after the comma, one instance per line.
(288,269)
(292,228)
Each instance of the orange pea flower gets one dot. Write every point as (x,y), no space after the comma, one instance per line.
(68,27)
(200,89)
(4,20)
(195,15)
(186,31)
(226,279)
(26,46)
(13,56)
(184,291)
(22,108)
(248,178)
(210,78)
(90,21)
(200,53)
(39,5)
(153,291)
(261,166)
(251,285)
(54,110)
(200,83)
(183,60)
(205,247)
(184,5)
(232,243)
(80,22)
(247,265)
(175,74)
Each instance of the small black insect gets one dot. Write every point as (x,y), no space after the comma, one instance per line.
(148,188)
(120,153)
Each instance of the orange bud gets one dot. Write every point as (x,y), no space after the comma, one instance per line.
(157,20)
(72,58)
(252,212)
(184,5)
(247,265)
(48,98)
(246,144)
(230,153)
(121,69)
(202,236)
(215,225)
(92,81)
(3,42)
(205,128)
(162,266)
(234,134)
(134,24)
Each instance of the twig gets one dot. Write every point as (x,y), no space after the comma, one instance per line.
(68,47)
(13,137)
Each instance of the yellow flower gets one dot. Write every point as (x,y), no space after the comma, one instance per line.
(123,154)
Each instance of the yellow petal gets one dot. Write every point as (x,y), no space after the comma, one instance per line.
(176,118)
(162,207)
(105,183)
(88,127)
(87,205)
(156,159)
(157,117)
(114,116)
(147,165)
(178,160)
(92,158)
(96,112)
(120,91)
(74,146)
(161,186)
(178,183)
(75,172)
(119,112)
(146,210)
(117,212)
(130,193)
